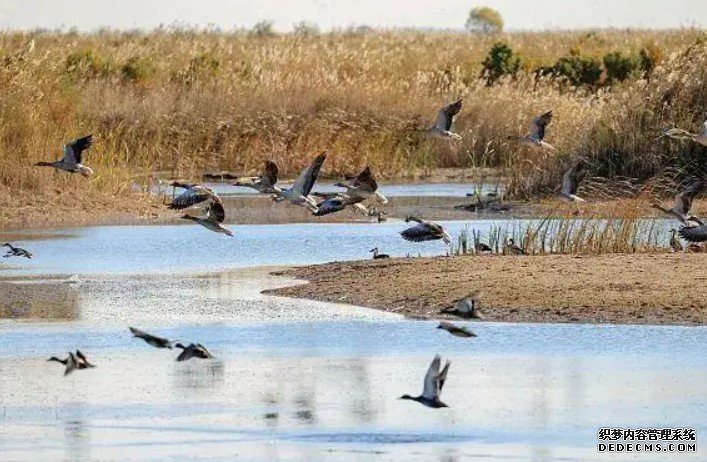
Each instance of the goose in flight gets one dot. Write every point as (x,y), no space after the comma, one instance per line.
(363,186)
(694,232)
(73,362)
(213,219)
(73,155)
(425,231)
(298,194)
(193,194)
(265,183)
(536,136)
(157,342)
(683,203)
(466,307)
(338,202)
(681,134)
(377,255)
(442,128)
(16,251)
(570,183)
(434,381)
(193,350)
(455,330)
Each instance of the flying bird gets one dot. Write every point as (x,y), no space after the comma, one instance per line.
(570,183)
(298,194)
(683,203)
(679,133)
(425,231)
(157,342)
(442,128)
(694,232)
(193,350)
(265,183)
(193,194)
(457,331)
(337,202)
(363,186)
(73,155)
(536,136)
(466,307)
(73,362)
(16,251)
(434,381)
(213,220)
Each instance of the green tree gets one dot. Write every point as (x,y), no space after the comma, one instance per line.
(499,62)
(484,19)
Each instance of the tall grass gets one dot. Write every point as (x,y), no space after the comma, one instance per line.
(182,102)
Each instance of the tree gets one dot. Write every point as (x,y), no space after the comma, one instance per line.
(484,19)
(499,62)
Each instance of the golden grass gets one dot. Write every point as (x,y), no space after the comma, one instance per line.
(183,102)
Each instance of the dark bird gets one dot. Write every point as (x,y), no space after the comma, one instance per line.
(570,182)
(683,203)
(455,330)
(445,117)
(434,381)
(512,248)
(73,156)
(265,183)
(536,136)
(425,231)
(215,215)
(466,307)
(73,362)
(16,251)
(193,350)
(193,194)
(695,233)
(363,186)
(482,247)
(338,202)
(377,255)
(157,342)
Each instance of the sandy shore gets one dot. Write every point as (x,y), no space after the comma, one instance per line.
(639,288)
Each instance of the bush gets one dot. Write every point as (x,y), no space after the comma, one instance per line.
(578,69)
(263,29)
(138,69)
(499,62)
(650,56)
(305,29)
(202,66)
(86,64)
(619,67)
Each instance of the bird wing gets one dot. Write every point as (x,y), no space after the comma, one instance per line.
(331,205)
(683,201)
(203,349)
(538,125)
(270,174)
(191,196)
(73,151)
(419,233)
(215,212)
(442,377)
(308,177)
(366,181)
(694,233)
(445,116)
(186,353)
(71,364)
(138,332)
(572,178)
(431,387)
(464,305)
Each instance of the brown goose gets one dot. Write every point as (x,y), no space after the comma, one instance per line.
(679,133)
(455,330)
(434,381)
(513,249)
(193,194)
(536,136)
(265,183)
(73,156)
(377,255)
(442,128)
(683,203)
(363,186)
(571,180)
(466,307)
(193,350)
(157,342)
(425,231)
(73,362)
(215,215)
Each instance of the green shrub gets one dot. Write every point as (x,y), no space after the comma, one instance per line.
(86,64)
(263,29)
(499,62)
(200,67)
(138,69)
(578,69)
(620,67)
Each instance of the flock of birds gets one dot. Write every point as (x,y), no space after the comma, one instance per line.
(354,194)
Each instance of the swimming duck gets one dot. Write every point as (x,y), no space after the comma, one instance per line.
(425,231)
(434,381)
(377,255)
(466,307)
(455,330)
(157,342)
(193,350)
(73,155)
(16,251)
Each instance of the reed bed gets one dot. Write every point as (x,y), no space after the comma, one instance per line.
(181,102)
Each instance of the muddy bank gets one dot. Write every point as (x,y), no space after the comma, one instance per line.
(619,289)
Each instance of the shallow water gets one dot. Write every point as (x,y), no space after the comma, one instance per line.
(288,386)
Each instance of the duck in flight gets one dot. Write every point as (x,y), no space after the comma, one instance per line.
(157,342)
(265,183)
(434,381)
(683,203)
(16,251)
(363,186)
(73,362)
(298,194)
(681,134)
(193,350)
(215,215)
(425,231)
(536,137)
(457,331)
(336,202)
(466,307)
(73,156)
(445,117)
(193,194)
